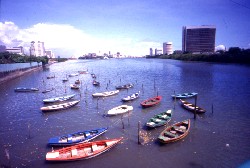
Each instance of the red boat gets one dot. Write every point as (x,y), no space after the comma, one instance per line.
(82,151)
(151,102)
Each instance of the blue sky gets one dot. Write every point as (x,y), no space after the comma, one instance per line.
(128,26)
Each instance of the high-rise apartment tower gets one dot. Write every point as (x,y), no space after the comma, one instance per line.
(198,39)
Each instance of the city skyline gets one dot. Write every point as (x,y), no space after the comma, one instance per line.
(128,27)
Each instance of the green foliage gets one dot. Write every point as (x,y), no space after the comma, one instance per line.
(7,58)
(233,55)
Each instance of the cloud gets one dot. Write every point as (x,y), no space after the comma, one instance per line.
(220,47)
(66,40)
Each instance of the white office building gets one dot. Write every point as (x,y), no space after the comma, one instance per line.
(167,48)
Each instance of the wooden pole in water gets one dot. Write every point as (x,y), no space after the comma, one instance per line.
(29,129)
(154,83)
(174,99)
(97,102)
(195,103)
(212,108)
(142,88)
(122,122)
(139,132)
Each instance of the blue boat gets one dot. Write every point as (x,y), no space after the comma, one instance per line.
(77,137)
(184,95)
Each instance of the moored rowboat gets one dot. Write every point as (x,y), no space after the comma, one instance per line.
(160,119)
(82,151)
(151,102)
(105,94)
(175,132)
(127,86)
(191,107)
(184,95)
(60,106)
(77,137)
(120,110)
(131,97)
(58,99)
(23,89)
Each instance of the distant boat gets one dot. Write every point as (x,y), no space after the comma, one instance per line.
(175,132)
(77,137)
(127,86)
(120,110)
(82,151)
(77,81)
(50,77)
(72,75)
(83,72)
(23,89)
(58,99)
(151,102)
(191,107)
(47,90)
(184,95)
(160,119)
(65,79)
(74,86)
(105,94)
(131,97)
(60,106)
(93,75)
(95,83)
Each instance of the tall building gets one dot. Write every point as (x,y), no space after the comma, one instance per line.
(167,48)
(37,49)
(198,39)
(32,49)
(40,49)
(151,52)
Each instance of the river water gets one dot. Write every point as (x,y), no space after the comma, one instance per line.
(218,138)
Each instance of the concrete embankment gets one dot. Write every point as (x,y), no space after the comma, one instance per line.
(18,73)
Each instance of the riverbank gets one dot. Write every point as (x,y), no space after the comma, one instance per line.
(19,73)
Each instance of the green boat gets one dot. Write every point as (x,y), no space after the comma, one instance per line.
(160,119)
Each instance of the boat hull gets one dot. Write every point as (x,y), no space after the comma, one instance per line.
(82,151)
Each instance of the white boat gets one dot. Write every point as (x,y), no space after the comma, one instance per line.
(120,110)
(74,86)
(60,106)
(58,99)
(105,94)
(131,97)
(75,74)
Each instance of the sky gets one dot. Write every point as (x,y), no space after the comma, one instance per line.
(131,27)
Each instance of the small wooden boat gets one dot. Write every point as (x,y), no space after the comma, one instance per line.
(105,94)
(47,90)
(58,99)
(74,86)
(77,82)
(127,86)
(93,76)
(50,77)
(175,132)
(82,151)
(160,119)
(23,89)
(191,107)
(83,72)
(65,79)
(120,110)
(77,137)
(131,97)
(151,102)
(95,83)
(60,106)
(74,74)
(184,95)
